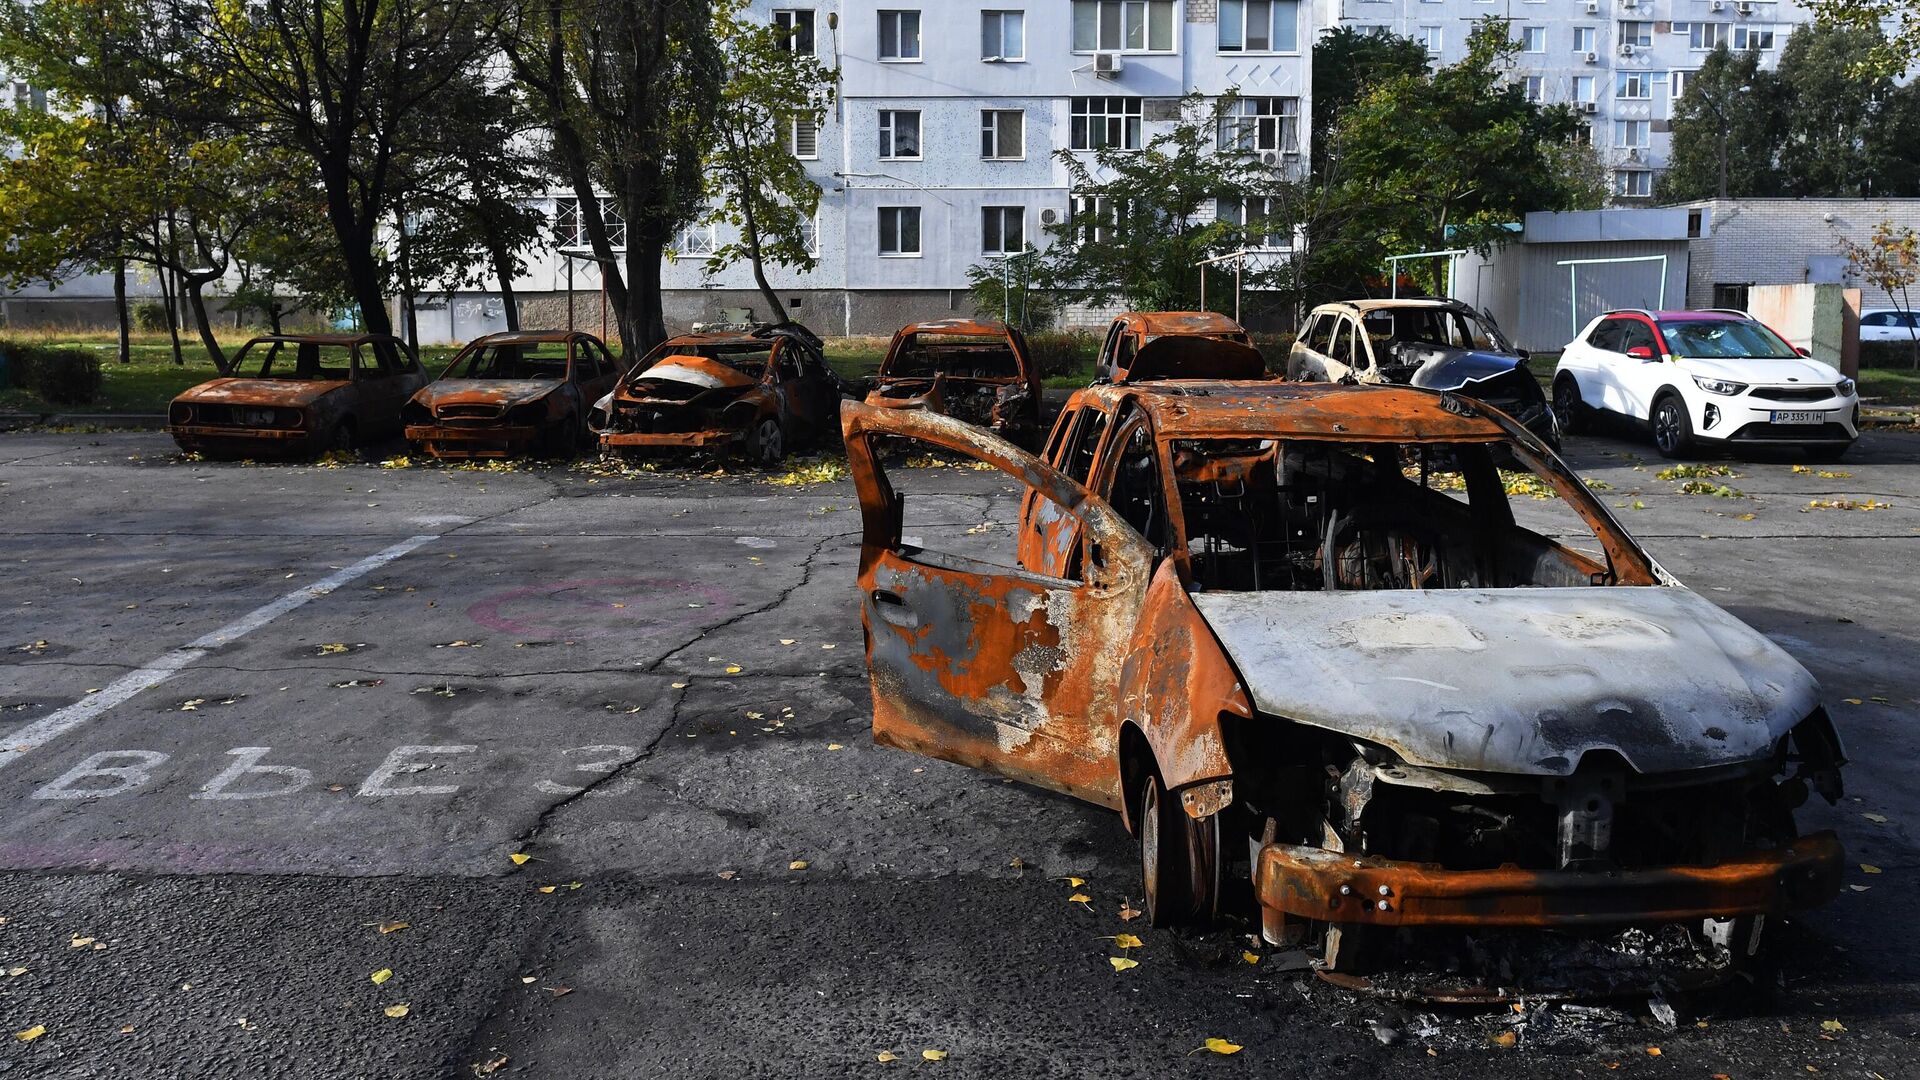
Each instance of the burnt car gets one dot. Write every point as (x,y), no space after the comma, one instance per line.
(300,394)
(1297,637)
(979,372)
(757,391)
(506,395)
(1144,345)
(1434,344)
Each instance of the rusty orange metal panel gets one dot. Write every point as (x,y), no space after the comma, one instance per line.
(1329,886)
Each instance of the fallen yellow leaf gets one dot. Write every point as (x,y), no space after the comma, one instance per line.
(396,1011)
(1126,941)
(79,942)
(886,1056)
(1869,868)
(1074,882)
(1222,1046)
(1250,957)
(798,864)
(786,641)
(1503,1038)
(1832,1025)
(333,647)
(733,669)
(1080,898)
(382,976)
(1853,701)
(519,859)
(547,888)
(835,746)
(1653,1051)
(31,1033)
(390,927)
(1121,963)
(1128,912)
(15,972)
(934,1055)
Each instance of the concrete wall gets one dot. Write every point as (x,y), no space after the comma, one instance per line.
(1534,298)
(1789,242)
(1822,319)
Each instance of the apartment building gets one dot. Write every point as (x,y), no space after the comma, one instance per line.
(939,152)
(1623,63)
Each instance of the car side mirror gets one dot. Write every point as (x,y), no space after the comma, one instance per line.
(1641,352)
(1803,350)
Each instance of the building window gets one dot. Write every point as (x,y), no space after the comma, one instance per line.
(1633,84)
(1639,34)
(697,240)
(1101,122)
(1705,36)
(803,138)
(1677,83)
(1583,88)
(1533,39)
(1752,37)
(1536,88)
(1123,25)
(1003,134)
(899,35)
(1259,26)
(570,232)
(899,231)
(1695,221)
(1633,183)
(1262,124)
(1003,35)
(796,25)
(1096,218)
(1260,220)
(1430,37)
(899,133)
(1631,134)
(810,234)
(1003,230)
(1583,39)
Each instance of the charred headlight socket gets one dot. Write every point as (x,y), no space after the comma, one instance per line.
(527,414)
(179,413)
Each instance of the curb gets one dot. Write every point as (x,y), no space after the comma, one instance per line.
(136,421)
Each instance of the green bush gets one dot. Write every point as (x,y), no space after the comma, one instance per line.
(150,315)
(58,376)
(1273,349)
(1061,352)
(1886,354)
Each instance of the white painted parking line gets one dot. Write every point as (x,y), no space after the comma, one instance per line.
(48,728)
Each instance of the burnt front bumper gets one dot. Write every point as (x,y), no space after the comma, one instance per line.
(227,438)
(1309,883)
(643,440)
(452,442)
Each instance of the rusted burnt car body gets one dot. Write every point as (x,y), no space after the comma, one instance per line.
(975,371)
(300,394)
(506,395)
(758,392)
(1433,344)
(1296,637)
(1142,346)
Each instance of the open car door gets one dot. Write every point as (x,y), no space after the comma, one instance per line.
(980,661)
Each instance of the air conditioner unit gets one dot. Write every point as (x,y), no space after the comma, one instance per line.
(1743,7)
(1593,7)
(1049,216)
(1626,48)
(1107,65)
(1717,5)
(1633,153)
(1589,107)
(1269,157)
(1593,58)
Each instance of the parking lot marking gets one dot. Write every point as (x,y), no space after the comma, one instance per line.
(42,731)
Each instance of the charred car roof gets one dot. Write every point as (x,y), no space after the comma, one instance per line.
(1183,322)
(1191,409)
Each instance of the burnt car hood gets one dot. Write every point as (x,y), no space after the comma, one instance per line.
(1443,368)
(1518,681)
(291,393)
(685,374)
(506,393)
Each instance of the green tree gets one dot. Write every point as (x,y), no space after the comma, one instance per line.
(1832,106)
(1890,262)
(1731,107)
(755,184)
(627,88)
(1891,56)
(1346,61)
(1143,218)
(1451,158)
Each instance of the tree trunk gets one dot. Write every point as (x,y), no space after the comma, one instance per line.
(121,315)
(503,270)
(355,234)
(643,309)
(166,299)
(195,283)
(750,232)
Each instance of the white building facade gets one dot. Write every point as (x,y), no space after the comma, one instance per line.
(1622,63)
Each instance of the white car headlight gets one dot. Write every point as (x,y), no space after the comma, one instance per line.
(1719,386)
(1844,387)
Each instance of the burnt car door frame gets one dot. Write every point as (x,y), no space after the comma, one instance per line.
(954,646)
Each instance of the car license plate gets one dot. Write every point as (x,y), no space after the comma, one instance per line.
(1799,417)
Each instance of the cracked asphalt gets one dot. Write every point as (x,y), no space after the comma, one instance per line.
(652,686)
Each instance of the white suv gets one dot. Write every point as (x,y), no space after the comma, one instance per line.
(1699,378)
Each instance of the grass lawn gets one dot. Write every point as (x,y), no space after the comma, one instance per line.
(1890,386)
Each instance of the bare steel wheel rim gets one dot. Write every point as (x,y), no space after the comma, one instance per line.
(769,439)
(1150,845)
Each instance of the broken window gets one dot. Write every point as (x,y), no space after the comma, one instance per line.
(1312,515)
(978,356)
(294,360)
(950,523)
(748,358)
(512,360)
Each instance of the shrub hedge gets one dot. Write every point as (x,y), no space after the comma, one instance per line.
(57,375)
(1061,352)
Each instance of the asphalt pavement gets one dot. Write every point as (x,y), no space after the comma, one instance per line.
(578,757)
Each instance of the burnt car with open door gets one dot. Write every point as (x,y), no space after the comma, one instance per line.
(980,372)
(1145,345)
(1299,638)
(1432,344)
(511,394)
(300,395)
(756,392)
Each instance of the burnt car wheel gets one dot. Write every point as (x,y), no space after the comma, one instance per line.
(1573,413)
(1672,429)
(768,443)
(1179,859)
(338,439)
